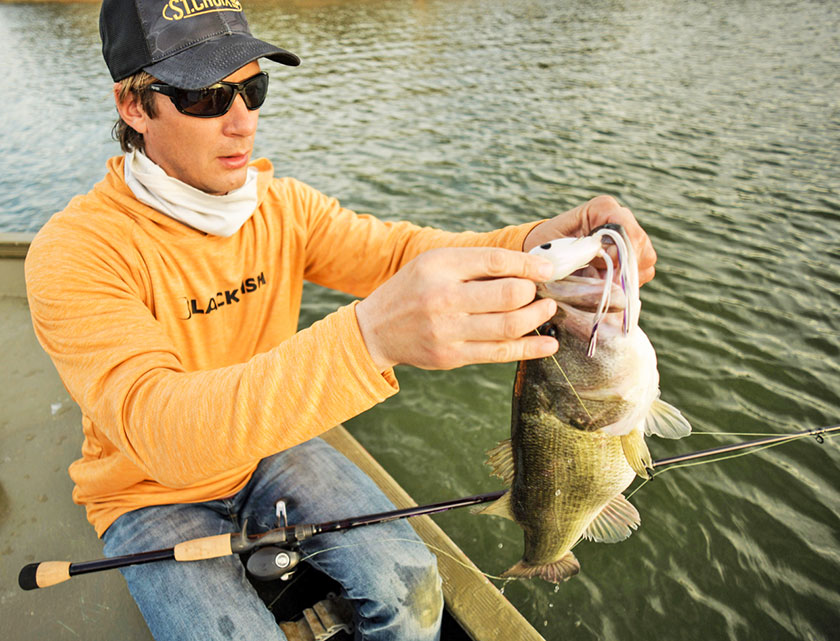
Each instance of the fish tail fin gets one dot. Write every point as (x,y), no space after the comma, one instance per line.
(499,507)
(557,572)
(666,421)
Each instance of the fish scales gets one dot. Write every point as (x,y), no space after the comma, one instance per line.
(563,475)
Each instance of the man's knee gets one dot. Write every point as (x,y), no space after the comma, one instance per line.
(409,605)
(424,598)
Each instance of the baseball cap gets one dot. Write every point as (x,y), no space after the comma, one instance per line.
(189,44)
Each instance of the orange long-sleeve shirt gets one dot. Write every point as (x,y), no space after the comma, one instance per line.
(181,348)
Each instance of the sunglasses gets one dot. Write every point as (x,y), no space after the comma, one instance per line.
(216,100)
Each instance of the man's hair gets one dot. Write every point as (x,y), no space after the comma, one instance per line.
(138,85)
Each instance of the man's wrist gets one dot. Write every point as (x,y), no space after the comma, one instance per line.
(370,336)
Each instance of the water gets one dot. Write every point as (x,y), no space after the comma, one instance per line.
(718,123)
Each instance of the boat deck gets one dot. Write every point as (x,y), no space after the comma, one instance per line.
(40,435)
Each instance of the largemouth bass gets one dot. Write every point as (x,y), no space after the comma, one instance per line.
(579,418)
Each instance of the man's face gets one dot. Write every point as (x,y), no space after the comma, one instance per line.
(210,154)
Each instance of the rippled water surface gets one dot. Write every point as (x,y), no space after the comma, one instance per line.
(718,123)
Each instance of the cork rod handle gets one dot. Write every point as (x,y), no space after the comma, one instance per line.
(208,547)
(43,575)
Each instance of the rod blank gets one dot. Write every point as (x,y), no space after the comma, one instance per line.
(725,449)
(47,573)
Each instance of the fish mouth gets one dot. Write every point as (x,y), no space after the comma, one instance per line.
(584,293)
(617,290)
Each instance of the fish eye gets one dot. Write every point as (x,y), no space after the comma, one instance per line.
(545,246)
(547,329)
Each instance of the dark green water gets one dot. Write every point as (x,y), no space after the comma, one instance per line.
(718,123)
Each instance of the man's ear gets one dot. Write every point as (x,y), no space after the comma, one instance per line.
(131,110)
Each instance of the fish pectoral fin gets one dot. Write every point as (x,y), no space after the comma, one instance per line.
(499,507)
(636,452)
(500,458)
(556,572)
(666,421)
(615,523)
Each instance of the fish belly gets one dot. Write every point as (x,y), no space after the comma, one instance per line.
(563,478)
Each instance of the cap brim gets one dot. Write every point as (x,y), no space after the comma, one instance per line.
(209,62)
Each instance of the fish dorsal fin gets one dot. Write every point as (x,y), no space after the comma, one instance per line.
(615,523)
(500,458)
(636,452)
(562,570)
(499,507)
(666,421)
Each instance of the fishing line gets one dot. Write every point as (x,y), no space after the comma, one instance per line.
(702,433)
(436,549)
(641,485)
(298,573)
(572,387)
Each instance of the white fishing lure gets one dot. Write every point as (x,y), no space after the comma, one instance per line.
(571,254)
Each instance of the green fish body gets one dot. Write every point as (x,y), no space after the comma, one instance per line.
(577,430)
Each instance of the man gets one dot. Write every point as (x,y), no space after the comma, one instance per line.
(168,299)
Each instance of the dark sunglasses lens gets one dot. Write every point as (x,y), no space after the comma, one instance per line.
(215,101)
(255,91)
(205,102)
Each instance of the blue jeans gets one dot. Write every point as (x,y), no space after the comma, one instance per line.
(386,571)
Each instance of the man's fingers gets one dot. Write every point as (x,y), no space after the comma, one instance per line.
(508,326)
(470,263)
(500,263)
(646,275)
(604,209)
(447,299)
(497,337)
(524,348)
(581,220)
(496,295)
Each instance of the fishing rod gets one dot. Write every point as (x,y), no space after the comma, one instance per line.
(818,433)
(271,561)
(268,560)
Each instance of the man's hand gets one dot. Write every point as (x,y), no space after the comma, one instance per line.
(582,220)
(458,306)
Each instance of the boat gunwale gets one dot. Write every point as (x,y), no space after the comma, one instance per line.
(15,244)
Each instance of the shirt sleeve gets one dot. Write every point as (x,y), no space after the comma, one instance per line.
(181,427)
(355,253)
